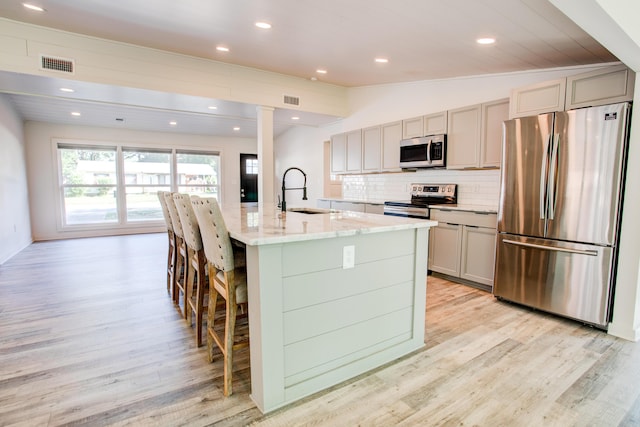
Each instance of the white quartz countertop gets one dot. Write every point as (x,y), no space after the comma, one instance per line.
(264,225)
(466,208)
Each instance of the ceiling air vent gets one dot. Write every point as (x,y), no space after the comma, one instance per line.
(53,63)
(291,100)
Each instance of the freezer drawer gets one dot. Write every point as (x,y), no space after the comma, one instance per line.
(571,280)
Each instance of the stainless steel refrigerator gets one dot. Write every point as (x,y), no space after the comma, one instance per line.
(560,205)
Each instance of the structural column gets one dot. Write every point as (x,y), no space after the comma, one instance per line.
(266,166)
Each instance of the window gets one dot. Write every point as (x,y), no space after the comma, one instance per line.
(145,173)
(251,166)
(88,184)
(198,173)
(117,186)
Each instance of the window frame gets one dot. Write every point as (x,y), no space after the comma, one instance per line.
(122,222)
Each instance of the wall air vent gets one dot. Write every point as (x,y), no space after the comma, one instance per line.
(53,63)
(291,100)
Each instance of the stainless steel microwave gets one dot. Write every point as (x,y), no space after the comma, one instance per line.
(424,152)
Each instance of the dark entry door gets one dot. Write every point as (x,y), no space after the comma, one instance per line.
(248,178)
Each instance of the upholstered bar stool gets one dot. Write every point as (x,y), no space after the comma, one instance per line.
(180,274)
(225,280)
(196,284)
(171,254)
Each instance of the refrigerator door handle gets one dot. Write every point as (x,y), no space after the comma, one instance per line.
(543,179)
(552,248)
(553,167)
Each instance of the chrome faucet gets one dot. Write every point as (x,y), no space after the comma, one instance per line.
(283,204)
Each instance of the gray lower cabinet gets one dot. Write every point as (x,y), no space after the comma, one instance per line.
(463,245)
(323,203)
(478,254)
(343,205)
(445,248)
(347,206)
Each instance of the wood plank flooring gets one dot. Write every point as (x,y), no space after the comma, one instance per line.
(89,336)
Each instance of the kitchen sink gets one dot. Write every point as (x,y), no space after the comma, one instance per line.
(311,211)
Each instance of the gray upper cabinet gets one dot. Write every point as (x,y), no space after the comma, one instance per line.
(474,135)
(339,153)
(391,136)
(493,115)
(354,151)
(463,137)
(545,97)
(436,123)
(412,128)
(371,149)
(600,87)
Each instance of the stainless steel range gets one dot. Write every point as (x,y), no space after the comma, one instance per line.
(422,195)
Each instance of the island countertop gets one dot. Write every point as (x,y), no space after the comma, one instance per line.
(262,225)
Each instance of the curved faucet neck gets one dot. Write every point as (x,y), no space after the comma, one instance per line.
(284,188)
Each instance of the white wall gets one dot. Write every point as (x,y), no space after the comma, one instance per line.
(303,148)
(42,178)
(15,229)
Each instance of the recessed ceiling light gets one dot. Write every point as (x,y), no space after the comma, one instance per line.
(212,107)
(236,128)
(33,7)
(295,118)
(486,40)
(263,25)
(66,89)
(381,60)
(173,123)
(321,71)
(222,49)
(75,113)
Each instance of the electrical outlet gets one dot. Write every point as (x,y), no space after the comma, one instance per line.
(348,257)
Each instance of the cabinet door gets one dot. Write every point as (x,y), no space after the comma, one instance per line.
(478,254)
(354,151)
(463,137)
(607,86)
(444,248)
(391,136)
(347,206)
(375,209)
(435,124)
(493,114)
(323,203)
(540,98)
(412,128)
(339,153)
(371,149)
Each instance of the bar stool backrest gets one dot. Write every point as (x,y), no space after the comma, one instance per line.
(215,236)
(165,210)
(188,220)
(173,213)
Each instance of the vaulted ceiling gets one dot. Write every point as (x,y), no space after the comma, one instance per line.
(421,39)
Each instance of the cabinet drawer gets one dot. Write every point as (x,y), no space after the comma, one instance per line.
(476,219)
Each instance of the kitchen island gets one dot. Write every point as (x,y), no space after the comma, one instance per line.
(332,294)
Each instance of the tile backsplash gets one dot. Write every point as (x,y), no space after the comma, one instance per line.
(475,187)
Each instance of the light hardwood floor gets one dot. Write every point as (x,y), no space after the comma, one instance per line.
(89,336)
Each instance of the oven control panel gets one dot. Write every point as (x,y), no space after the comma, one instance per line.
(433,190)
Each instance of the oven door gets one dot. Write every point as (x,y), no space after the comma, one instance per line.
(406,211)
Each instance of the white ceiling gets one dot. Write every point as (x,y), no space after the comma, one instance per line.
(423,39)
